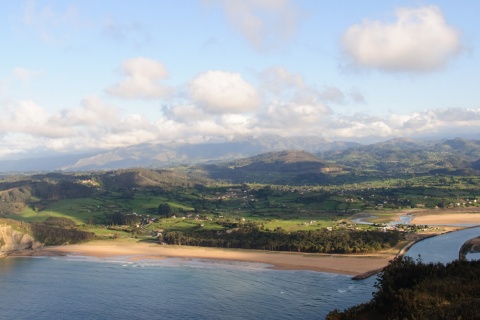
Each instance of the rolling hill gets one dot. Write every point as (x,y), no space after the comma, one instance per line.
(290,166)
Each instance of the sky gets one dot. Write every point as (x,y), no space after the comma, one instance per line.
(86,75)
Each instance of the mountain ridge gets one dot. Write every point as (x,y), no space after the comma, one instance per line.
(384,155)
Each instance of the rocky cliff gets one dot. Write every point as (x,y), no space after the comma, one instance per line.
(15,237)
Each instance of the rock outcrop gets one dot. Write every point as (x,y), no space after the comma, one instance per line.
(13,239)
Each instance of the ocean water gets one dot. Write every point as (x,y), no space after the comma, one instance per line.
(88,288)
(75,287)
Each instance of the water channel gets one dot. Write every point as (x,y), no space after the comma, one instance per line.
(443,248)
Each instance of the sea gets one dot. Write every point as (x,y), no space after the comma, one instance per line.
(74,287)
(77,287)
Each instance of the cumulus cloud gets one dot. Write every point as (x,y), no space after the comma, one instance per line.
(418,40)
(143,80)
(184,113)
(26,125)
(265,23)
(290,105)
(219,92)
(220,105)
(281,82)
(95,125)
(435,122)
(30,118)
(293,115)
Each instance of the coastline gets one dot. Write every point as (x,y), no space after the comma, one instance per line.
(353,265)
(359,266)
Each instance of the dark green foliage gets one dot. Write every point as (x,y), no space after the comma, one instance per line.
(164,209)
(415,290)
(57,190)
(122,219)
(248,236)
(49,235)
(13,200)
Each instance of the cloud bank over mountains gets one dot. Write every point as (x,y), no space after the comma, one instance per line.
(216,105)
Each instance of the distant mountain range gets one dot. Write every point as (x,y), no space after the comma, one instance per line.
(165,155)
(406,155)
(265,154)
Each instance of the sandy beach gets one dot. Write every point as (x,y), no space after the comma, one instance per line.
(335,263)
(342,264)
(447,218)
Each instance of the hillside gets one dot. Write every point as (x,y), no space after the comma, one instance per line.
(401,156)
(140,177)
(281,167)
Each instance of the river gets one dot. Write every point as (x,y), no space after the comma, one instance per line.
(443,248)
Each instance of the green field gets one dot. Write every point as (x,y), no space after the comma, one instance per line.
(273,207)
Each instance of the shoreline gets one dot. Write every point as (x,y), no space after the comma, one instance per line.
(353,265)
(359,266)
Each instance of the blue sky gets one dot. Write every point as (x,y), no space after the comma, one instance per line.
(88,75)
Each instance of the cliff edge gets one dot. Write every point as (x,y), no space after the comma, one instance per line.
(15,237)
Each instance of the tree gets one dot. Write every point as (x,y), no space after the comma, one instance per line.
(164,209)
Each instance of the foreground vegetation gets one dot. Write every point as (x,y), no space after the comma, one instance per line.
(249,236)
(409,289)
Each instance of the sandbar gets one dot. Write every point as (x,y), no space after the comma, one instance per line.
(332,263)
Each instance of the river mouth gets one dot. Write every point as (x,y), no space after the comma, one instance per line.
(366,219)
(443,248)
(466,217)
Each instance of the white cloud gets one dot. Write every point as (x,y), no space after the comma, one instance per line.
(357,127)
(418,40)
(265,23)
(219,92)
(218,105)
(29,118)
(92,112)
(185,113)
(281,82)
(436,122)
(293,116)
(142,81)
(26,125)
